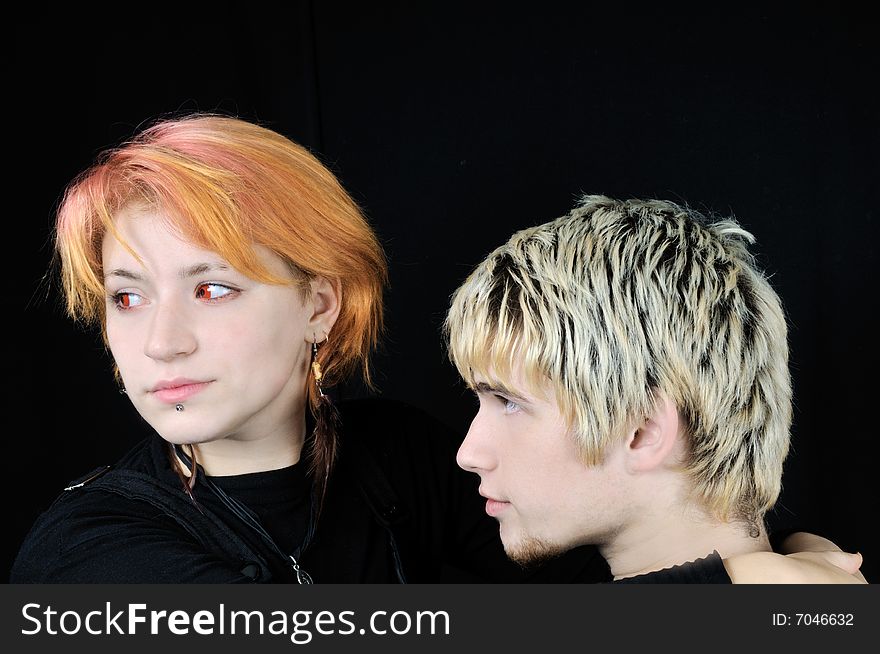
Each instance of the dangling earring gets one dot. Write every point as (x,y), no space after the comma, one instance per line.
(316,367)
(325,434)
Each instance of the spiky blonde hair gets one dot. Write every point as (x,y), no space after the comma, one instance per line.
(619,299)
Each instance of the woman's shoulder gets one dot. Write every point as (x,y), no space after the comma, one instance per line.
(91,513)
(95,488)
(85,519)
(89,490)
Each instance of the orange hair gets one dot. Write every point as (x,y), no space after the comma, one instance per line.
(227,185)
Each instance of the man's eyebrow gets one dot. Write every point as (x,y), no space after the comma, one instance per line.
(484,387)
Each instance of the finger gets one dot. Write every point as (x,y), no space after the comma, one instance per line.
(846,561)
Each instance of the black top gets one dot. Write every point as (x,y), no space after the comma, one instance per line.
(134,524)
(709,570)
(280,498)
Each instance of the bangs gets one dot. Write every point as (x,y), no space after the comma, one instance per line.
(494,331)
(620,300)
(199,202)
(231,187)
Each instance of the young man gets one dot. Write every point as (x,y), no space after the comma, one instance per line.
(632,370)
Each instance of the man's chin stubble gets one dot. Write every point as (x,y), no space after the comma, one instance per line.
(532,552)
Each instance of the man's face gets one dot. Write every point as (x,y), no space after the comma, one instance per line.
(545,498)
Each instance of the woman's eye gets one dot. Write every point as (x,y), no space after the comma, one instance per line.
(212,291)
(126,300)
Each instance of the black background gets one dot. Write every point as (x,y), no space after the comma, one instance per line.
(453,126)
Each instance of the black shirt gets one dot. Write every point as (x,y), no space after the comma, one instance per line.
(708,570)
(280,499)
(439,531)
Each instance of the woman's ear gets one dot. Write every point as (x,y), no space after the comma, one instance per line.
(652,443)
(326,296)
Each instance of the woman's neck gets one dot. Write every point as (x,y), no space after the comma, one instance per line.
(271,451)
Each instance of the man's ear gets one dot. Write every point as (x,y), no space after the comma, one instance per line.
(656,440)
(326,300)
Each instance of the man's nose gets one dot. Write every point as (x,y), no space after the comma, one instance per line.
(476,453)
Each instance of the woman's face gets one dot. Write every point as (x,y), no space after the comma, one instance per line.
(186,329)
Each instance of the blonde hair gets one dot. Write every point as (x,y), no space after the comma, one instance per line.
(227,185)
(621,298)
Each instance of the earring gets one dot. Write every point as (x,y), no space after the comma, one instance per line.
(122,391)
(328,423)
(316,367)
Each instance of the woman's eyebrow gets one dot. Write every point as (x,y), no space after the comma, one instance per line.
(185,273)
(201,269)
(122,272)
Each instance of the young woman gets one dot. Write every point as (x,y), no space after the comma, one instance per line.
(234,281)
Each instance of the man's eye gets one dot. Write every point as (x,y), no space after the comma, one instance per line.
(509,405)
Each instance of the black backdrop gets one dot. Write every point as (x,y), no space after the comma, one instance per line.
(453,126)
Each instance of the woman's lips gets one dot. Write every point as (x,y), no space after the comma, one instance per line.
(179,393)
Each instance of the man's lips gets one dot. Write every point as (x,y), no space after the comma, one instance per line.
(493,506)
(177,390)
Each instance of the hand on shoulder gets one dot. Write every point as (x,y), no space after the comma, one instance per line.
(806,559)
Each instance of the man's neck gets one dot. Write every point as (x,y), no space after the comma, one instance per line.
(667,539)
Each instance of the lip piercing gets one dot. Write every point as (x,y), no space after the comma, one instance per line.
(178,407)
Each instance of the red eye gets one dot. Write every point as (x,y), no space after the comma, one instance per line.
(127,300)
(212,291)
